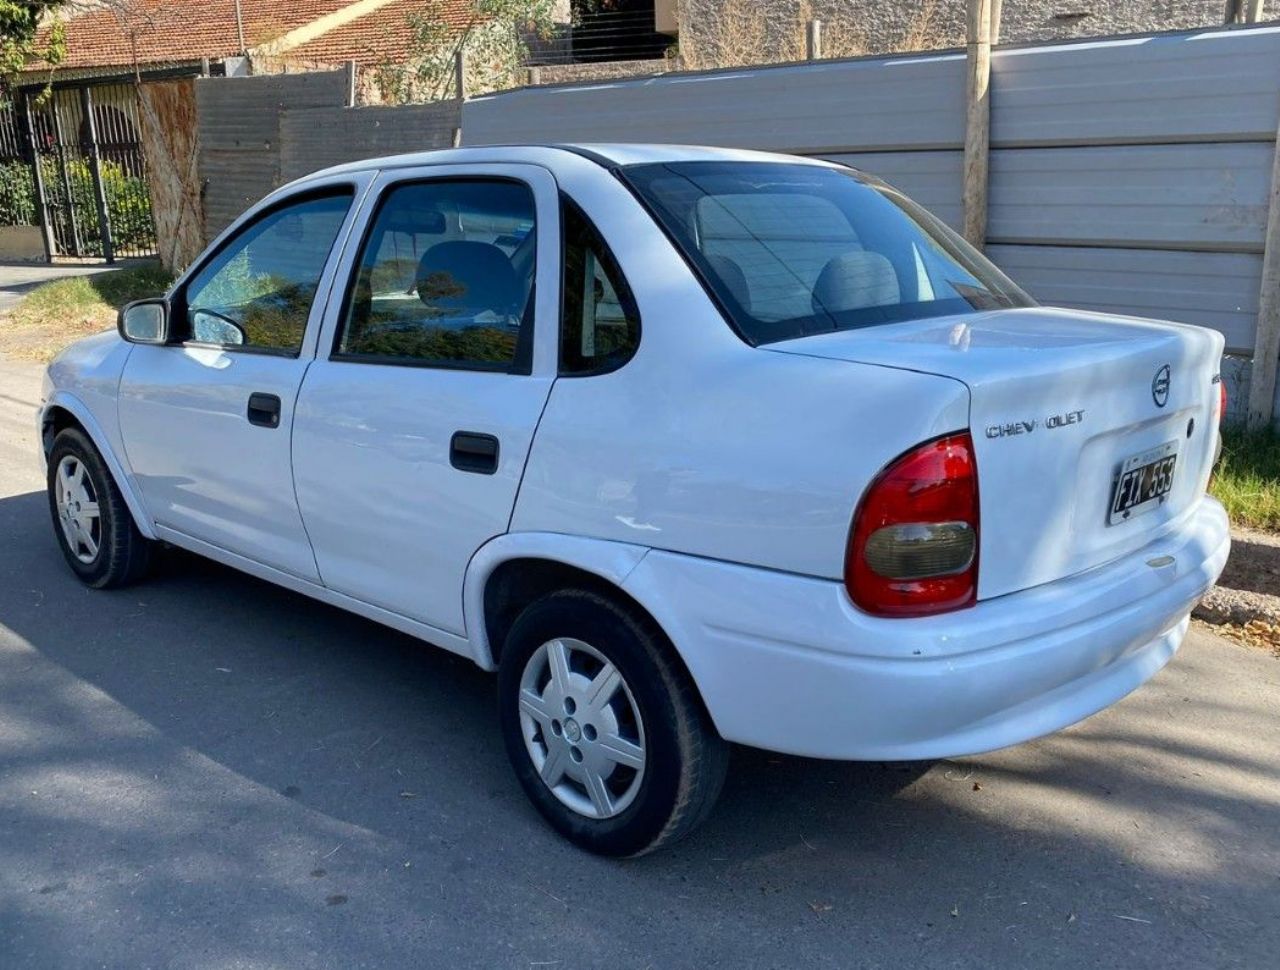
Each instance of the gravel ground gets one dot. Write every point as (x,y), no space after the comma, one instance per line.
(1245,605)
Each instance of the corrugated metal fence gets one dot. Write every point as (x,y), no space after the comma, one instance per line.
(1129,175)
(256,133)
(240,121)
(315,138)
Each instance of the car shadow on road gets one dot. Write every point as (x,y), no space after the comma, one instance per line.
(290,726)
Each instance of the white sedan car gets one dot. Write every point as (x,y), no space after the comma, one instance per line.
(691,446)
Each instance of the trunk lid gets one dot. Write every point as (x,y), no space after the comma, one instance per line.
(1061,403)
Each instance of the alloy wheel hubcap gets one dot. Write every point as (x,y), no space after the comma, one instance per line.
(582,728)
(77,505)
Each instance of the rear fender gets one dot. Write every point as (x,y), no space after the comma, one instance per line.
(611,561)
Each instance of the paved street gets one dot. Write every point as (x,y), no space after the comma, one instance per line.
(209,772)
(18,279)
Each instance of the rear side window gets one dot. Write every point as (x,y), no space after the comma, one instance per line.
(256,292)
(445,278)
(790,250)
(599,323)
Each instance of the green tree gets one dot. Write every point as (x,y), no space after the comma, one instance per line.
(21,40)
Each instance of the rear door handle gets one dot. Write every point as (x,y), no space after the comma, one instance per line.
(264,410)
(470,451)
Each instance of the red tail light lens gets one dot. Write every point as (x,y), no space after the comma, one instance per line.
(913,548)
(1222,401)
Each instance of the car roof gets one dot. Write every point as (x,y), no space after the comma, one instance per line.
(608,154)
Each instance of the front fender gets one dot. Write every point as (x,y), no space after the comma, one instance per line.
(62,398)
(611,561)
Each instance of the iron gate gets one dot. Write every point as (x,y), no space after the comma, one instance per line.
(87,174)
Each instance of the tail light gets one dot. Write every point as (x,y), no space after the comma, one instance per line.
(1222,419)
(913,547)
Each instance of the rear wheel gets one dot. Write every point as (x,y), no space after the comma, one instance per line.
(604,728)
(92,524)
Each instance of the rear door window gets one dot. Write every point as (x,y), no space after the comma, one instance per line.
(445,278)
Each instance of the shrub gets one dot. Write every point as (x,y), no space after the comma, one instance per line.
(128,202)
(17,195)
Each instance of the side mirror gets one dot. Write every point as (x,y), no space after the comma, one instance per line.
(145,322)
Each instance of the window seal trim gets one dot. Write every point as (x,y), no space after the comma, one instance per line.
(178,296)
(239,349)
(520,366)
(388,360)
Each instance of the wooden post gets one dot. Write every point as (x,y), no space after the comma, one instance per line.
(95,173)
(353,72)
(460,74)
(240,29)
(977,130)
(1266,340)
(996,6)
(1252,11)
(460,89)
(813,40)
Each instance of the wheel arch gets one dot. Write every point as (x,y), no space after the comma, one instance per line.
(64,410)
(513,570)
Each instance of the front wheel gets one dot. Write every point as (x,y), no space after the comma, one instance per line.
(605,730)
(92,524)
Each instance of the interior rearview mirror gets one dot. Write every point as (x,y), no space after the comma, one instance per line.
(145,322)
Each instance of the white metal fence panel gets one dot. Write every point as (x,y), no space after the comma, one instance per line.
(1218,290)
(1220,85)
(934,179)
(1194,197)
(826,107)
(1128,175)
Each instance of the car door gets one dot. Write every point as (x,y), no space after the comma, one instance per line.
(413,424)
(206,418)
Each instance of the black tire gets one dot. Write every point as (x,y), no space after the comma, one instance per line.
(123,554)
(685,758)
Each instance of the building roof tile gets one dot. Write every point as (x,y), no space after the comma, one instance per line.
(182,31)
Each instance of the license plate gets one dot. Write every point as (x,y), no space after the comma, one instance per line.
(1144,482)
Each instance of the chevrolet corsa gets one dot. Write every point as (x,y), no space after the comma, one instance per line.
(690,446)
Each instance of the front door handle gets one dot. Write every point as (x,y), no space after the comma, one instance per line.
(470,451)
(264,410)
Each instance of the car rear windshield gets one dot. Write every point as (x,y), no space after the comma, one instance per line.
(791,249)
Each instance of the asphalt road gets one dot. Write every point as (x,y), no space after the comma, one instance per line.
(209,772)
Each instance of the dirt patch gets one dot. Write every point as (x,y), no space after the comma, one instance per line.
(1255,562)
(1245,605)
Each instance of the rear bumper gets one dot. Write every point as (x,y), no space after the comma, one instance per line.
(787,663)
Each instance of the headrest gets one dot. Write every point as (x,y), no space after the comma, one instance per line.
(733,278)
(464,277)
(854,281)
